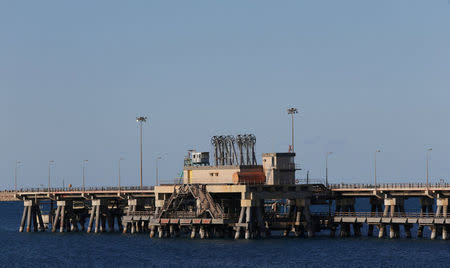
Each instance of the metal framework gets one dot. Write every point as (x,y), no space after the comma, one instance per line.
(225,152)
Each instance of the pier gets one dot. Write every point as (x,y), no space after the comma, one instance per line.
(242,211)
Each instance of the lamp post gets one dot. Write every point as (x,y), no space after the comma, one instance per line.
(326,168)
(292,111)
(18,164)
(375,170)
(157,175)
(141,120)
(83,165)
(428,160)
(120,159)
(50,164)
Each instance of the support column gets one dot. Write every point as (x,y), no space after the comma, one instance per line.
(97,218)
(390,205)
(24,215)
(241,219)
(441,212)
(201,232)
(56,219)
(194,230)
(376,205)
(39,217)
(249,223)
(62,222)
(92,215)
(298,215)
(307,213)
(152,231)
(426,205)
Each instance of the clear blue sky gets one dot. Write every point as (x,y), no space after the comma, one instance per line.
(365,75)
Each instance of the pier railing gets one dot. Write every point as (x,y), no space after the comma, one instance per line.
(389,186)
(86,189)
(381,215)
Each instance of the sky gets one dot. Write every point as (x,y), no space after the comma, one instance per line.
(364,75)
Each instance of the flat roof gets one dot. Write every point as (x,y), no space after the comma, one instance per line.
(222,167)
(279,154)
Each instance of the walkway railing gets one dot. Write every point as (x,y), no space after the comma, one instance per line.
(86,189)
(389,186)
(380,215)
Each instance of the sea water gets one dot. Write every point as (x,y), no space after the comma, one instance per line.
(138,250)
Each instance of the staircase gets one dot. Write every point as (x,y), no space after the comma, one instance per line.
(205,202)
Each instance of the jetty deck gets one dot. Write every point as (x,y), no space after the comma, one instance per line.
(238,211)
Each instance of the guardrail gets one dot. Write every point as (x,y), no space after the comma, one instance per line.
(86,189)
(380,215)
(389,186)
(141,213)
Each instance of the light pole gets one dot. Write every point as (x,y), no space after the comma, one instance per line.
(326,168)
(18,164)
(428,160)
(141,120)
(292,111)
(157,175)
(375,170)
(83,165)
(50,164)
(120,159)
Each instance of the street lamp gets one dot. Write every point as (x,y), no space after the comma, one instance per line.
(50,164)
(120,159)
(292,111)
(141,120)
(428,160)
(18,164)
(83,165)
(157,175)
(326,168)
(375,175)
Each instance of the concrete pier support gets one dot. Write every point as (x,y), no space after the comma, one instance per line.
(393,207)
(160,232)
(60,216)
(441,212)
(201,232)
(29,216)
(248,221)
(381,228)
(240,221)
(376,210)
(24,215)
(96,220)
(426,208)
(346,206)
(193,232)
(131,226)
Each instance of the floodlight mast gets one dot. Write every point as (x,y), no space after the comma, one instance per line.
(292,111)
(141,120)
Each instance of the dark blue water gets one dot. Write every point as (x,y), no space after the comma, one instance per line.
(118,250)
